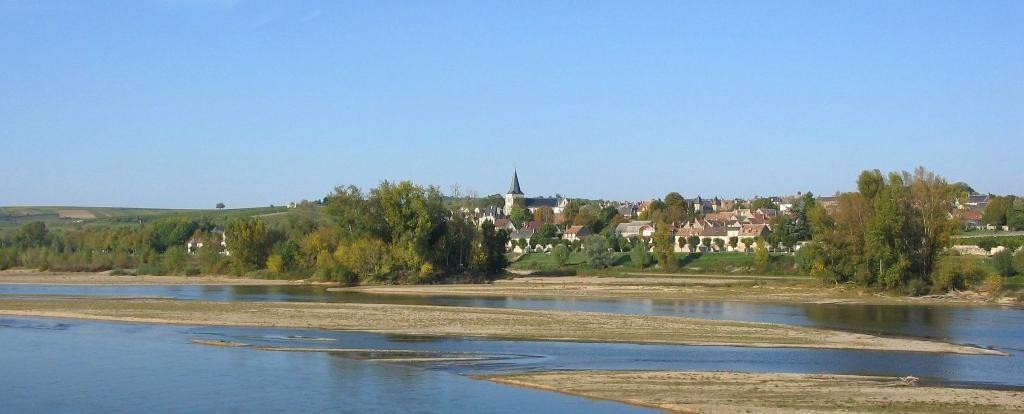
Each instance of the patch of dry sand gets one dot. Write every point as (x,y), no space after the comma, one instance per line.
(732,392)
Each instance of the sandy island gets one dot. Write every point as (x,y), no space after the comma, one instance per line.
(730,392)
(669,287)
(479,322)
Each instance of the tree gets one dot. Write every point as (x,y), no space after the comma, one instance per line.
(490,258)
(170,231)
(706,242)
(32,234)
(664,249)
(997,211)
(870,183)
(734,242)
(561,254)
(220,206)
(596,249)
(693,242)
(1003,262)
(519,214)
(544,214)
(761,256)
(763,203)
(720,244)
(368,258)
(639,255)
(1018,261)
(249,243)
(784,232)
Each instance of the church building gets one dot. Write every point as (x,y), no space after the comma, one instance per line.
(515,193)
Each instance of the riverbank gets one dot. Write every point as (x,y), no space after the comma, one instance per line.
(731,392)
(35,277)
(513,324)
(699,287)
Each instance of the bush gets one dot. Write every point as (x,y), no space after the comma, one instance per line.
(1018,261)
(992,285)
(916,287)
(192,271)
(121,272)
(149,269)
(958,272)
(1003,262)
(561,254)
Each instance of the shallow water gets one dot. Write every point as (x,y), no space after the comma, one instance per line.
(74,366)
(984,326)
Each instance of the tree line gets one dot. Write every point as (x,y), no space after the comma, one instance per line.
(395,233)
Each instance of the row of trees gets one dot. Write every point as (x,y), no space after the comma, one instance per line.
(395,233)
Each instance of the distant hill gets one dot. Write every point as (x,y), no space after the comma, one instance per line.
(71,216)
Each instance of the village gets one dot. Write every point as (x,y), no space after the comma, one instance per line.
(709,224)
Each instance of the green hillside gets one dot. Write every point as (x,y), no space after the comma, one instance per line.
(57,217)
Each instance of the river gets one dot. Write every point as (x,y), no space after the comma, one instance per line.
(51,365)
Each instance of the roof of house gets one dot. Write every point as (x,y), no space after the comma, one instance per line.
(977,198)
(633,227)
(578,230)
(541,202)
(753,230)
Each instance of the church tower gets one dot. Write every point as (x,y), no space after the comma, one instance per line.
(514,192)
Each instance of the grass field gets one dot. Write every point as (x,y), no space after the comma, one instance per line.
(71,216)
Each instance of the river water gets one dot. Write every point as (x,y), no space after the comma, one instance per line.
(56,365)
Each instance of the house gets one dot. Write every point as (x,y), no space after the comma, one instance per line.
(636,228)
(196,242)
(977,201)
(574,233)
(829,203)
(971,219)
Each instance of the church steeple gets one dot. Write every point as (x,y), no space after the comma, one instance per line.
(514,189)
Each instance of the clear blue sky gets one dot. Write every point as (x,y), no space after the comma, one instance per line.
(185,103)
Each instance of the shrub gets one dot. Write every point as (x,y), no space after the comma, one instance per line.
(121,272)
(561,254)
(149,269)
(916,287)
(192,271)
(992,285)
(1018,261)
(1003,262)
(957,272)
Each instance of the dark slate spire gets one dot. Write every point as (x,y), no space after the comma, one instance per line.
(514,189)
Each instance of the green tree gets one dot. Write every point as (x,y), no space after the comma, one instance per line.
(490,258)
(220,206)
(639,255)
(32,234)
(1018,261)
(519,215)
(760,203)
(664,249)
(596,249)
(249,243)
(997,211)
(170,231)
(870,183)
(761,256)
(693,242)
(706,242)
(561,254)
(734,242)
(720,244)
(1003,263)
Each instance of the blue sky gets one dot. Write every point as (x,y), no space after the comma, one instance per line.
(186,103)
